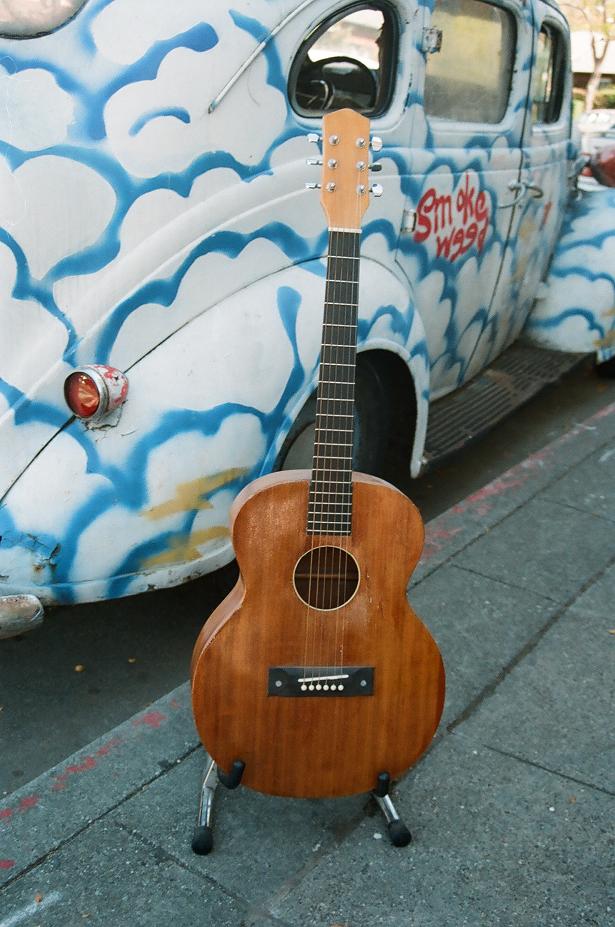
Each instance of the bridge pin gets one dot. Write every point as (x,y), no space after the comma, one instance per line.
(303,687)
(333,686)
(326,687)
(341,686)
(311,687)
(318,686)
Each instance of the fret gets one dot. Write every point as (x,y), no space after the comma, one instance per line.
(334,364)
(320,532)
(344,257)
(340,324)
(338,415)
(328,527)
(340,382)
(331,469)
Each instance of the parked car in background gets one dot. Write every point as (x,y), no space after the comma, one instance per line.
(597,130)
(163,263)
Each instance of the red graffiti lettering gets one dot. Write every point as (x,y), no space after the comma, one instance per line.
(457,224)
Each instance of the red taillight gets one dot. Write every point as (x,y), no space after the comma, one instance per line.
(82,395)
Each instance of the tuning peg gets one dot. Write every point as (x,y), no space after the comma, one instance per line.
(376,189)
(312,186)
(314,138)
(375,167)
(314,162)
(376,143)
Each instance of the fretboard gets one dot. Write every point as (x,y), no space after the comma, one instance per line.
(330,500)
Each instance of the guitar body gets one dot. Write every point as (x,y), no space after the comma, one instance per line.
(328,738)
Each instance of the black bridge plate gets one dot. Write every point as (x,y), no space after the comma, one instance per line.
(320,681)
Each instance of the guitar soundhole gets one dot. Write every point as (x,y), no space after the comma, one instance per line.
(326,577)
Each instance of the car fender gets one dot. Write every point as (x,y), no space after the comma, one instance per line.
(575,310)
(106,512)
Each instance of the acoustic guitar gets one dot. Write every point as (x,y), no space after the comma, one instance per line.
(314,676)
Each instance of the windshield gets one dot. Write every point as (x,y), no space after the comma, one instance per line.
(27,18)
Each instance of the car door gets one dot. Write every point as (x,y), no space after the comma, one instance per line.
(465,163)
(540,195)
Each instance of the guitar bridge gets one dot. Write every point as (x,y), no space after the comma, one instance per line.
(320,681)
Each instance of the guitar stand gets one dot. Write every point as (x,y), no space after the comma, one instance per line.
(203,842)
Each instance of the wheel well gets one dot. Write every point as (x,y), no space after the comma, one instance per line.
(398,403)
(387,402)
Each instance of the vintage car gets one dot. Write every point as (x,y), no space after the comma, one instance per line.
(163,262)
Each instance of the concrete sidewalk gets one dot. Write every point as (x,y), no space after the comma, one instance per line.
(511,809)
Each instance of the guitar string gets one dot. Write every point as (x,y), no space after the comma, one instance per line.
(312,616)
(345,337)
(341,318)
(356,247)
(342,295)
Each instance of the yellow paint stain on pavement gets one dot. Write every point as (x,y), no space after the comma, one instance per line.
(192,495)
(181,550)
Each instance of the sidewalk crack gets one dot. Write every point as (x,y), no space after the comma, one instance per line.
(555,772)
(251,911)
(81,830)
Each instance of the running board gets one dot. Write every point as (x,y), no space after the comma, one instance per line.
(513,378)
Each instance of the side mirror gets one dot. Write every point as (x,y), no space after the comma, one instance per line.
(602,166)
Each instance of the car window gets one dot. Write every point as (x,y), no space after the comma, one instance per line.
(469,79)
(548,76)
(347,61)
(28,18)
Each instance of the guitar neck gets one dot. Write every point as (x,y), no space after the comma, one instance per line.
(330,499)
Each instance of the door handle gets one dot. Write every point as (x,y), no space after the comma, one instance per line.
(536,191)
(515,185)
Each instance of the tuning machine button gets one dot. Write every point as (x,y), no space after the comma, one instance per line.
(314,138)
(376,143)
(310,185)
(314,162)
(376,189)
(375,167)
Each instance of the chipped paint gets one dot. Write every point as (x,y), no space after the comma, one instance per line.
(88,763)
(150,719)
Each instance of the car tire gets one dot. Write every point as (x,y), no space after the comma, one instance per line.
(384,416)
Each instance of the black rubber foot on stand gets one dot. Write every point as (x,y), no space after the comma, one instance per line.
(231,780)
(202,840)
(399,834)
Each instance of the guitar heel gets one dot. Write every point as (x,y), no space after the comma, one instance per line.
(398,832)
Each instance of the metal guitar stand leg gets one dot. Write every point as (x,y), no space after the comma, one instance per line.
(203,840)
(398,832)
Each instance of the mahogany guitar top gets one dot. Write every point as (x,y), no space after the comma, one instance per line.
(379,670)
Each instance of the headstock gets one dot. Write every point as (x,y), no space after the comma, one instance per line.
(345,185)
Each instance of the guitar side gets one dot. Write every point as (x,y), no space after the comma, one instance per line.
(329,745)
